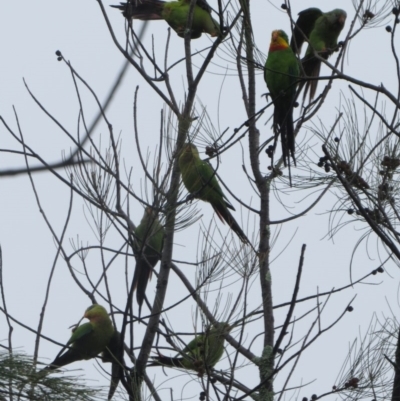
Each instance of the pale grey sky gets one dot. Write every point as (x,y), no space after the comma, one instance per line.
(31,32)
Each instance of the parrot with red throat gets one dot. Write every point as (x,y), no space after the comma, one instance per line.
(87,340)
(281,75)
(322,31)
(175,13)
(200,180)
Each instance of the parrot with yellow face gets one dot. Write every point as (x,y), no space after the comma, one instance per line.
(87,340)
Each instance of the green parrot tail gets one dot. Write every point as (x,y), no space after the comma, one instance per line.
(311,68)
(141,277)
(114,354)
(64,359)
(142,9)
(162,360)
(225,215)
(283,123)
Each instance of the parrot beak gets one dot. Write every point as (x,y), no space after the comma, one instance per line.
(342,19)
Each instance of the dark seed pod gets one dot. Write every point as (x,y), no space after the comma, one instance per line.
(210,150)
(368,15)
(354,382)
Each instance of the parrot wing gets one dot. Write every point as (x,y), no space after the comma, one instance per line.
(202,4)
(304,25)
(80,332)
(144,10)
(209,181)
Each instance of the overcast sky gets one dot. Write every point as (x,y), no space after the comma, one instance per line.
(30,34)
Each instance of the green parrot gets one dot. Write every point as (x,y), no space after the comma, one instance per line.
(281,74)
(175,13)
(87,340)
(147,245)
(201,354)
(322,31)
(200,180)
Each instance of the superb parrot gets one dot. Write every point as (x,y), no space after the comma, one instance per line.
(147,244)
(175,13)
(87,340)
(200,180)
(281,75)
(201,354)
(322,31)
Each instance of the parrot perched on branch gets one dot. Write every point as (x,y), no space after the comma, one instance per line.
(147,245)
(322,31)
(87,340)
(175,13)
(281,75)
(201,354)
(201,182)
